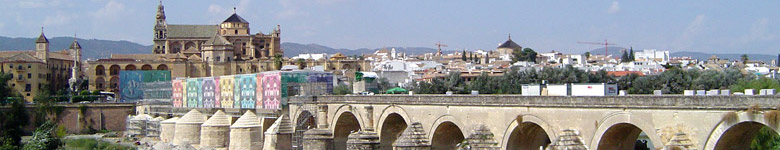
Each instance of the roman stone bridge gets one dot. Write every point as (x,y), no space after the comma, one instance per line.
(530,122)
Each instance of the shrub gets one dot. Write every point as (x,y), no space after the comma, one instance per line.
(44,138)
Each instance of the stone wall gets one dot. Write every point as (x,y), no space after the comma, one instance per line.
(97,116)
(634,101)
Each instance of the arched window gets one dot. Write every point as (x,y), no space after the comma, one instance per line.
(100,70)
(114,69)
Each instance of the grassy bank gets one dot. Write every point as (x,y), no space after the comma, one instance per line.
(90,144)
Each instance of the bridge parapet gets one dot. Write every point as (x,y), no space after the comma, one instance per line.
(634,101)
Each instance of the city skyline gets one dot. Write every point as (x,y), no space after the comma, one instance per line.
(713,27)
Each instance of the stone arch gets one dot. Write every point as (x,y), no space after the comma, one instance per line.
(146,67)
(744,128)
(345,109)
(162,67)
(130,67)
(189,45)
(346,123)
(346,67)
(100,83)
(305,120)
(100,70)
(535,127)
(446,134)
(175,47)
(114,83)
(392,126)
(114,69)
(622,125)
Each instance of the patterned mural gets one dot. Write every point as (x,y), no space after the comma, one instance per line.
(130,82)
(177,93)
(226,92)
(266,90)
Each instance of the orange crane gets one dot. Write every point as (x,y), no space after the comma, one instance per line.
(606,44)
(439,45)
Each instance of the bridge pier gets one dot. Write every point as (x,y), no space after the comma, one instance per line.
(365,139)
(320,138)
(413,138)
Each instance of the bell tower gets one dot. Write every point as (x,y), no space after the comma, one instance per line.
(160,31)
(42,47)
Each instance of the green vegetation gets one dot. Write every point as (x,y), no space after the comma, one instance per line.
(342,89)
(765,139)
(527,54)
(45,137)
(11,123)
(672,81)
(89,144)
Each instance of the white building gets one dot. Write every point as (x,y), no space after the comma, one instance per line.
(652,55)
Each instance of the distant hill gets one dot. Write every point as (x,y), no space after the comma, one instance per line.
(92,48)
(293,49)
(616,52)
(705,56)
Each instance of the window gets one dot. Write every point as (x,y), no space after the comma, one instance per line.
(11,66)
(217,58)
(13,85)
(29,75)
(29,66)
(236,31)
(27,88)
(28,94)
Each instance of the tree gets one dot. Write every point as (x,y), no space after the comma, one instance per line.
(383,84)
(463,56)
(760,83)
(625,57)
(44,138)
(301,63)
(342,89)
(765,139)
(471,57)
(12,122)
(631,55)
(278,61)
(744,58)
(587,56)
(527,54)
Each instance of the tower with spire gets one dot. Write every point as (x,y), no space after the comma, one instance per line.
(76,75)
(160,30)
(42,47)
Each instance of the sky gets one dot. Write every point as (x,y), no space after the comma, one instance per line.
(711,26)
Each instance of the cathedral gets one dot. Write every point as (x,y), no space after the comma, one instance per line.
(228,41)
(226,48)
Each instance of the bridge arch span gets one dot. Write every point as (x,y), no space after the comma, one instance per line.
(446,132)
(346,122)
(737,134)
(346,108)
(622,125)
(392,121)
(539,132)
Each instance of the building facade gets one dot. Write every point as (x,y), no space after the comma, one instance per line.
(227,48)
(39,70)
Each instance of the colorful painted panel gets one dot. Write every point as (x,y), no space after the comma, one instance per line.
(194,93)
(259,91)
(248,84)
(130,86)
(322,83)
(290,84)
(209,88)
(184,93)
(271,90)
(226,92)
(217,93)
(177,93)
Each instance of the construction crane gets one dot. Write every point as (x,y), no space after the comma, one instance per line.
(439,45)
(606,44)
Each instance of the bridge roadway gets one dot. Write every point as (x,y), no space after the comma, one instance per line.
(530,122)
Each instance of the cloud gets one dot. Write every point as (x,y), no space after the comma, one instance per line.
(57,20)
(759,31)
(694,28)
(614,8)
(112,9)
